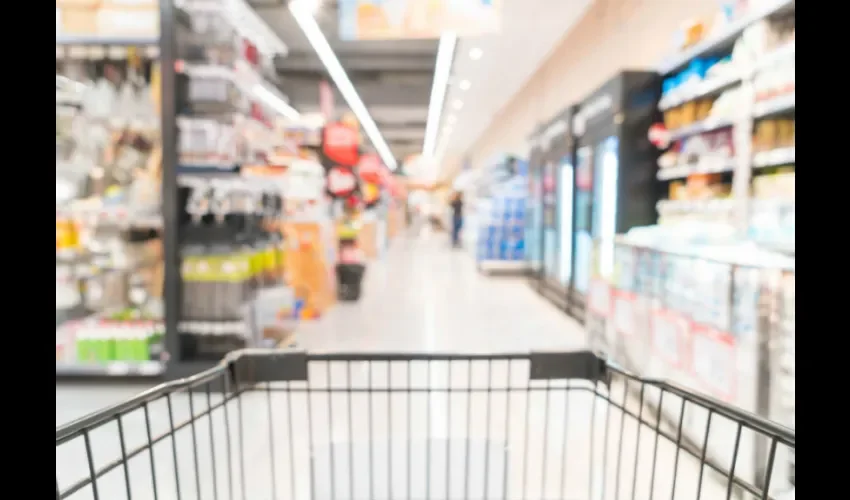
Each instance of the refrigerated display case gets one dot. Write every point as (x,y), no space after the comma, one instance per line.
(557,183)
(615,169)
(534,211)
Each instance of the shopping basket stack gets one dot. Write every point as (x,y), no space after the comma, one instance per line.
(269,424)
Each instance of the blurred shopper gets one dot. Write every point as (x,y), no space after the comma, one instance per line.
(457,218)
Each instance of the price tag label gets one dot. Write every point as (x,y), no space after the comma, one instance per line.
(624,315)
(600,297)
(118,369)
(117,52)
(714,361)
(77,52)
(669,337)
(150,368)
(96,53)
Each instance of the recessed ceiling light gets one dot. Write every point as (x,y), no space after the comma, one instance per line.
(451,119)
(476,54)
(457,104)
(464,84)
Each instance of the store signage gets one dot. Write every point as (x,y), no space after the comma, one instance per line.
(417,19)
(341,182)
(370,169)
(339,143)
(590,111)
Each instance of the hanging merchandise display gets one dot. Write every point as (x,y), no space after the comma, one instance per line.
(340,144)
(342,182)
(615,165)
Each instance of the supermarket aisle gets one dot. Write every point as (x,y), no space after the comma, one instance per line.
(421,296)
(425,297)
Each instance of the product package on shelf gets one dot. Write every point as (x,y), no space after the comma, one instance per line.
(108,219)
(501,223)
(231,251)
(121,343)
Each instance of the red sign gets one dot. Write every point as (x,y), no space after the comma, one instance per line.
(369,169)
(339,143)
(342,182)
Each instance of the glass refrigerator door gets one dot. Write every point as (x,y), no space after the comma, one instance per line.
(565,216)
(534,228)
(550,222)
(583,220)
(606,172)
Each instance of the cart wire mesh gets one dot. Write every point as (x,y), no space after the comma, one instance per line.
(273,424)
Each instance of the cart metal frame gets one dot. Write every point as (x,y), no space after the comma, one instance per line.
(539,375)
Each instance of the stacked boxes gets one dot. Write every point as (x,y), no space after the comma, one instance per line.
(502,224)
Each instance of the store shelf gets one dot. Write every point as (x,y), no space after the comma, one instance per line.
(706,125)
(724,38)
(689,206)
(706,166)
(106,40)
(774,158)
(113,369)
(118,216)
(691,92)
(777,105)
(771,59)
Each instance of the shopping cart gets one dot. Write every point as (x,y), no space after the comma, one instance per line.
(282,424)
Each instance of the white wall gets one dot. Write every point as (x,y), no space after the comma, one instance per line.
(613,35)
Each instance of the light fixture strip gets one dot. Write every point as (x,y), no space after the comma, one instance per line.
(442,72)
(275,102)
(304,18)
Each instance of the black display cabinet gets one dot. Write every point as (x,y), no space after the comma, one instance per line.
(615,168)
(556,224)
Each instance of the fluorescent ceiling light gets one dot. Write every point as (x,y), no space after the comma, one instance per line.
(303,16)
(476,54)
(275,102)
(442,70)
(457,104)
(465,84)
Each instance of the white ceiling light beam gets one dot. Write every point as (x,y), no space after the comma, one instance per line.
(442,72)
(302,12)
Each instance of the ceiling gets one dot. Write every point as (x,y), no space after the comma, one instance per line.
(393,79)
(531,29)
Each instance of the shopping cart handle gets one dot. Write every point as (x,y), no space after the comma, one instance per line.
(584,365)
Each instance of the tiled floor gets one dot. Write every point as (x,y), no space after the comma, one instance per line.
(425,430)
